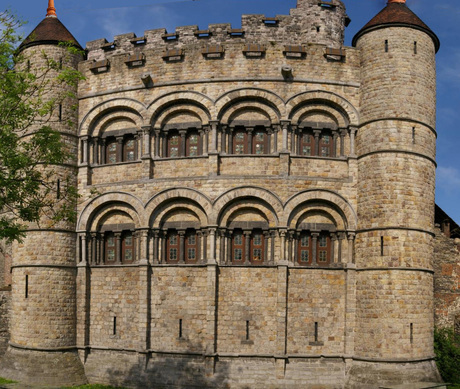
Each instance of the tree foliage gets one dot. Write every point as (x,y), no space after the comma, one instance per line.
(30,150)
(447,350)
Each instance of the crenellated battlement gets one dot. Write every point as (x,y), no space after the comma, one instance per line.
(317,22)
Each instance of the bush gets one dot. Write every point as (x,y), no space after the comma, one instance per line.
(447,350)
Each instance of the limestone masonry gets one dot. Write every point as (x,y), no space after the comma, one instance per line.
(256,211)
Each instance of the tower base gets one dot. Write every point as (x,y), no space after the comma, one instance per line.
(46,368)
(372,375)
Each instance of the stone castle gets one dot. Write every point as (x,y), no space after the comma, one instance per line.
(256,211)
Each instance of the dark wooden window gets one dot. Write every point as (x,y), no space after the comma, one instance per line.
(325,145)
(323,250)
(238,246)
(110,248)
(240,141)
(259,142)
(174,144)
(193,144)
(127,248)
(191,247)
(305,252)
(129,149)
(306,143)
(257,247)
(111,151)
(172,247)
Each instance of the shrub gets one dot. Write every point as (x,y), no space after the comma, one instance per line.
(447,350)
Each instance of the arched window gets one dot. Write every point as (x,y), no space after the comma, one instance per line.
(120,149)
(191,246)
(238,244)
(257,247)
(172,246)
(317,143)
(183,143)
(305,253)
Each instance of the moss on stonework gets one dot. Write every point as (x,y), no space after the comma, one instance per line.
(95,386)
(5,381)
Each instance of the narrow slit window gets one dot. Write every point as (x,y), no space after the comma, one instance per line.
(411,333)
(180,329)
(58,189)
(386,46)
(27,287)
(114,325)
(381,246)
(316,331)
(413,135)
(247,329)
(60,112)
(415,47)
(318,28)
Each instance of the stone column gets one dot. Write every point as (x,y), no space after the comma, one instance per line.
(212,246)
(314,248)
(118,247)
(181,246)
(103,152)
(343,133)
(285,127)
(183,141)
(205,140)
(351,239)
(119,149)
(230,140)
(333,247)
(335,136)
(84,155)
(250,130)
(266,238)
(144,292)
(272,248)
(213,145)
(341,236)
(146,137)
(157,144)
(353,131)
(247,248)
(282,234)
(223,135)
(317,133)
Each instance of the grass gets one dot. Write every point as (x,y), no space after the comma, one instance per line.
(5,381)
(94,386)
(455,386)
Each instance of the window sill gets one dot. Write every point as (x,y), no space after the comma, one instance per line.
(115,164)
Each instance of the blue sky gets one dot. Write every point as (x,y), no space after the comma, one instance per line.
(90,20)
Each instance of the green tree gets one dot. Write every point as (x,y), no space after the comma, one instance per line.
(447,350)
(30,150)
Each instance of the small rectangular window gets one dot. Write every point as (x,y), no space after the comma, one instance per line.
(411,333)
(114,325)
(60,112)
(381,246)
(247,329)
(386,46)
(316,331)
(27,287)
(413,135)
(415,47)
(180,329)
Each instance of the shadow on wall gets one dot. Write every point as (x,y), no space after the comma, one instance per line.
(174,371)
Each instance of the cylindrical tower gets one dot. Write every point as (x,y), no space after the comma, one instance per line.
(394,244)
(43,317)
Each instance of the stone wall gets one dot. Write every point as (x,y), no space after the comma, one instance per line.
(446,282)
(5,304)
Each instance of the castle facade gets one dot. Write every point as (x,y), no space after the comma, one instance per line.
(256,209)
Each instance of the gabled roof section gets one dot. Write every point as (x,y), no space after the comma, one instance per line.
(396,14)
(49,31)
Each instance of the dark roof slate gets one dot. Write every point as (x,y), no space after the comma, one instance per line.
(396,14)
(49,31)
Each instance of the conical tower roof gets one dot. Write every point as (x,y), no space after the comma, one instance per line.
(49,31)
(396,14)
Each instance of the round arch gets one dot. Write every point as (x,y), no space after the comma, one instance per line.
(332,199)
(196,200)
(331,99)
(264,198)
(263,96)
(118,200)
(99,111)
(203,104)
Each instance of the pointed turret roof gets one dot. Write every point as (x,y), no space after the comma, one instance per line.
(49,31)
(396,14)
